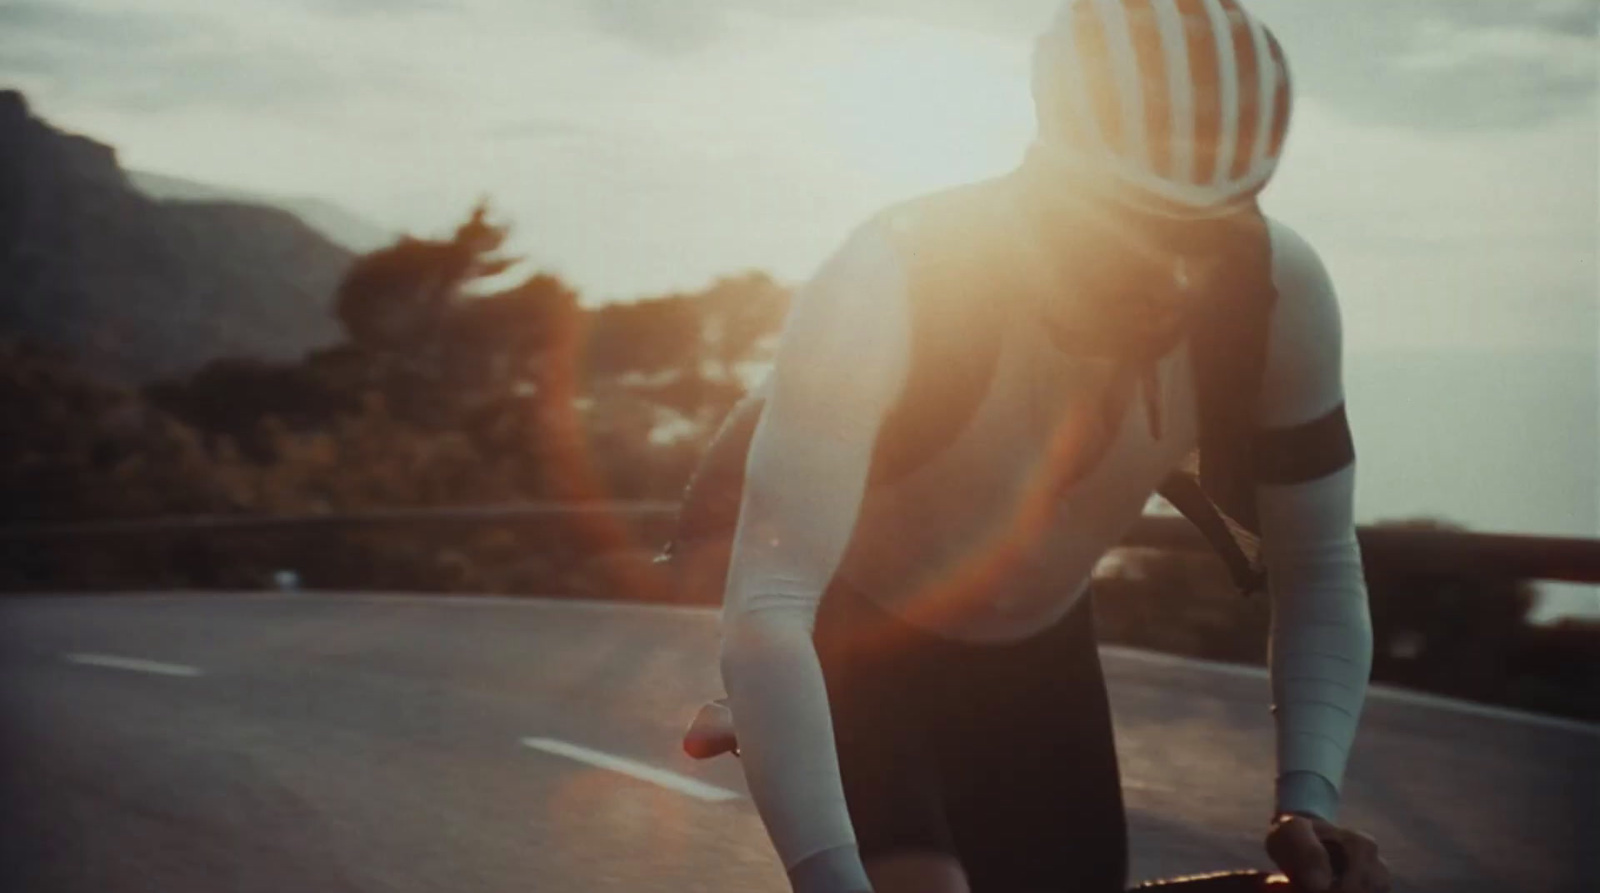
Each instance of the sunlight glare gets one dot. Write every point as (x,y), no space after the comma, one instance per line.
(923,108)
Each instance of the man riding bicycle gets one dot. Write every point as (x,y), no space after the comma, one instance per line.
(973,400)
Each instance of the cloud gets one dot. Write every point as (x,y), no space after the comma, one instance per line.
(543,128)
(1430,64)
(173,58)
(1442,65)
(377,7)
(683,26)
(1445,65)
(1574,18)
(670,26)
(57,21)
(1495,75)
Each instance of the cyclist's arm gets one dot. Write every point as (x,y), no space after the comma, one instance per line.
(1321,638)
(841,362)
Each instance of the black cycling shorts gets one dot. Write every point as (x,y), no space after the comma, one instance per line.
(999,755)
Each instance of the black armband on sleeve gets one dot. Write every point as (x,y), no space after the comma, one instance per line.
(1302,453)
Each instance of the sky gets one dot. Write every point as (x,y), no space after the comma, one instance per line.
(1444,157)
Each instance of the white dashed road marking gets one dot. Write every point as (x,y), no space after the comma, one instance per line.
(132,664)
(1138,655)
(672,781)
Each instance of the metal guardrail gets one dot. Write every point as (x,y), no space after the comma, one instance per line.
(1431,551)
(334,521)
(1415,550)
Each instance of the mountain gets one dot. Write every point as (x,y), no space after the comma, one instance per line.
(343,227)
(136,288)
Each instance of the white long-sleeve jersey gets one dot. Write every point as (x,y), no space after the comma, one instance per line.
(808,515)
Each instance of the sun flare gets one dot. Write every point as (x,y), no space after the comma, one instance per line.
(929,108)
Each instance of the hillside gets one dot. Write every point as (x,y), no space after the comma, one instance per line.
(135,288)
(343,227)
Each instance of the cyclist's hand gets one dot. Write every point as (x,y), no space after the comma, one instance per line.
(1306,848)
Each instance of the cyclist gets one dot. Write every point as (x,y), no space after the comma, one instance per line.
(972,401)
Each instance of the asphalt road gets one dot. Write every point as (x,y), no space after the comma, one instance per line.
(370,743)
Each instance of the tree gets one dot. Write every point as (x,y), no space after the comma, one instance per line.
(1456,633)
(741,314)
(1450,632)
(650,339)
(230,398)
(391,299)
(1179,602)
(72,448)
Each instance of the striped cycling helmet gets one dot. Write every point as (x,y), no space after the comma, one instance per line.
(1183,102)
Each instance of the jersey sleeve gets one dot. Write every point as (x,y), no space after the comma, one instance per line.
(842,360)
(1321,634)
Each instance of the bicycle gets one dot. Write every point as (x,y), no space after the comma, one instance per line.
(711,735)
